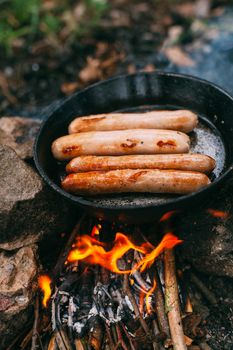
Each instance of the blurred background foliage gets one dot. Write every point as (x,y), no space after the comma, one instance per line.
(51,48)
(24,21)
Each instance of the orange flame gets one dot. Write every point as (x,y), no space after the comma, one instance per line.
(95,231)
(218,213)
(167,215)
(44,284)
(148,294)
(169,241)
(92,251)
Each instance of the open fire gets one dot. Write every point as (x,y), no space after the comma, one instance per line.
(93,252)
(115,295)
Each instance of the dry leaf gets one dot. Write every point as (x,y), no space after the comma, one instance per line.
(69,87)
(101,48)
(131,68)
(177,56)
(149,68)
(91,72)
(186,9)
(188,341)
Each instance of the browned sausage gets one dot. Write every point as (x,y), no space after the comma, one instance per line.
(181,120)
(192,162)
(128,180)
(137,141)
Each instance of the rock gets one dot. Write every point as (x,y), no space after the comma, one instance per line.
(28,209)
(19,133)
(208,235)
(17,276)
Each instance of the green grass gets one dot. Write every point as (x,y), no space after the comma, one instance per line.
(30,20)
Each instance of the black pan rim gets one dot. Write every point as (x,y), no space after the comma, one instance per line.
(79,200)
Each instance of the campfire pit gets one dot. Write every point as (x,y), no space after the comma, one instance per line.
(113,295)
(123,292)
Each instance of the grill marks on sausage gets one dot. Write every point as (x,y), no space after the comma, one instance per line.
(91,120)
(135,177)
(182,120)
(70,149)
(136,141)
(130,143)
(166,144)
(123,181)
(85,124)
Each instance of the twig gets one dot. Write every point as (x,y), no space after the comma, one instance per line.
(96,333)
(109,336)
(159,302)
(24,343)
(156,331)
(205,291)
(120,339)
(62,340)
(63,255)
(114,332)
(130,295)
(188,305)
(172,301)
(128,336)
(35,335)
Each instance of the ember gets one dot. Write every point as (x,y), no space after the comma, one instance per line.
(218,213)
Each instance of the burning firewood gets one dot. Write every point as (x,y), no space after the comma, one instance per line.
(172,301)
(114,298)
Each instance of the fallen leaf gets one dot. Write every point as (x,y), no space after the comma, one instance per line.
(91,72)
(131,68)
(101,48)
(149,68)
(187,9)
(69,87)
(188,341)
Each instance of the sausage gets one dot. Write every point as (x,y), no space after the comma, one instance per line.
(192,162)
(181,120)
(138,141)
(128,180)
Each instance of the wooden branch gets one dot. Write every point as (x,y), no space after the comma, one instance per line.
(109,337)
(130,295)
(205,291)
(128,336)
(172,301)
(159,302)
(156,346)
(121,342)
(35,345)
